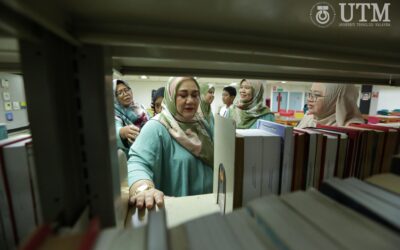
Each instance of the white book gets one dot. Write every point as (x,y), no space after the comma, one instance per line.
(7,221)
(224,154)
(19,181)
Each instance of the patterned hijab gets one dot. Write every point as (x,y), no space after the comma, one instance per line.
(191,135)
(205,107)
(133,114)
(245,113)
(339,107)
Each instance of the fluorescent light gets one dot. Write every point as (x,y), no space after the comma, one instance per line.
(283,82)
(144,77)
(234,84)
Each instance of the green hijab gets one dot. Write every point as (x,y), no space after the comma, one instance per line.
(191,135)
(205,107)
(246,113)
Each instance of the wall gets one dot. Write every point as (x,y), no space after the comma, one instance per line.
(13,97)
(389,97)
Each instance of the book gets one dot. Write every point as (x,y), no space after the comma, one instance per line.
(369,205)
(224,153)
(341,151)
(6,206)
(310,151)
(15,160)
(386,181)
(391,139)
(286,228)
(299,160)
(257,165)
(287,144)
(347,228)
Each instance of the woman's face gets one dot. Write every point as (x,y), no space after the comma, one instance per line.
(157,104)
(209,98)
(315,99)
(245,91)
(187,99)
(124,95)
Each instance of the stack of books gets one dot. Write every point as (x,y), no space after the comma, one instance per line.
(297,220)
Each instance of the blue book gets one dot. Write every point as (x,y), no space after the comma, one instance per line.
(287,148)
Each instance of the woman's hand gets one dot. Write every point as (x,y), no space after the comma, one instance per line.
(129,132)
(143,194)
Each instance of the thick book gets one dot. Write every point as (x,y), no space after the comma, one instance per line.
(371,206)
(310,155)
(224,154)
(287,144)
(346,227)
(16,162)
(391,139)
(287,228)
(387,181)
(257,163)
(341,151)
(314,169)
(299,160)
(8,221)
(353,150)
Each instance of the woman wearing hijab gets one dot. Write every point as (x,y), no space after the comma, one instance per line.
(250,106)
(174,151)
(332,104)
(129,116)
(156,100)
(206,98)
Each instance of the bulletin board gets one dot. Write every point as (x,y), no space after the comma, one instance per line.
(13,106)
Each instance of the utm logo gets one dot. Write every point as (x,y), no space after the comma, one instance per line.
(322,14)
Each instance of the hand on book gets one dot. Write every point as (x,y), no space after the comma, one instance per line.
(147,198)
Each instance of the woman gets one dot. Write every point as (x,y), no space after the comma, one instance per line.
(250,107)
(206,98)
(156,100)
(174,151)
(332,104)
(129,116)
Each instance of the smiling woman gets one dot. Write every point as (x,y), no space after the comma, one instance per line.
(174,151)
(250,107)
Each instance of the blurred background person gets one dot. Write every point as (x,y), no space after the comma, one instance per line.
(331,104)
(228,96)
(250,106)
(156,101)
(129,116)
(206,98)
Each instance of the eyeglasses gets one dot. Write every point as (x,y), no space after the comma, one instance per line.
(123,91)
(313,97)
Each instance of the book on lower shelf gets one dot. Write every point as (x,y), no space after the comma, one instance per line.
(298,220)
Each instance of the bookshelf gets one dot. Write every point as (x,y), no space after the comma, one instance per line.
(67,52)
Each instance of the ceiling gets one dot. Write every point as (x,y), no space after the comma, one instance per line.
(267,39)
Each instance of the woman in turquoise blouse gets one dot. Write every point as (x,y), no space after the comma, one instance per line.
(174,152)
(250,107)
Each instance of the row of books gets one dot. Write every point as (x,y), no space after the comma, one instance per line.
(19,202)
(297,220)
(278,159)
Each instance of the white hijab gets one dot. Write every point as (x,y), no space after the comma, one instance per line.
(339,107)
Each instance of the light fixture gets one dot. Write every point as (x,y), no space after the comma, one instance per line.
(234,84)
(144,77)
(283,82)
